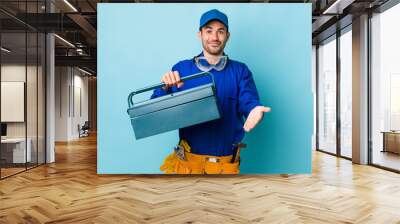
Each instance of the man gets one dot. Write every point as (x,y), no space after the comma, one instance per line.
(213,147)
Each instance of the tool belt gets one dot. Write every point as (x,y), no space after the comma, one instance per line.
(182,161)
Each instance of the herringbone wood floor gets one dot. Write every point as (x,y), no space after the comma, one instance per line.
(70,191)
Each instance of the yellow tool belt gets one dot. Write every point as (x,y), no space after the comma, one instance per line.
(198,164)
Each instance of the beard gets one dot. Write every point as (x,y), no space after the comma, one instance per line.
(214,50)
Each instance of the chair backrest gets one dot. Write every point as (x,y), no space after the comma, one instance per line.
(86,125)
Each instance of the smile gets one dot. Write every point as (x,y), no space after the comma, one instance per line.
(215,44)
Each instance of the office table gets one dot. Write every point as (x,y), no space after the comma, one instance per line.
(13,150)
(391,141)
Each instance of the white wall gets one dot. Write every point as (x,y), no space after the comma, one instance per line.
(12,100)
(15,72)
(71,94)
(61,103)
(81,103)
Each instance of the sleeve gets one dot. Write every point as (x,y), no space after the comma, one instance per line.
(248,95)
(161,92)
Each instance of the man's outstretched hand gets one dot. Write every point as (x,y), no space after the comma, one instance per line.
(255,117)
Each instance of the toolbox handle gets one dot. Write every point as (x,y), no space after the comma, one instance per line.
(145,89)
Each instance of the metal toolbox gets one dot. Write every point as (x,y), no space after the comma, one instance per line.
(173,111)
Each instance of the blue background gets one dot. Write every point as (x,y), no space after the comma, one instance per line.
(138,43)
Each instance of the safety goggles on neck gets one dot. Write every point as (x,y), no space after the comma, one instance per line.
(203,65)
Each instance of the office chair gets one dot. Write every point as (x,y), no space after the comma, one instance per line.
(84,130)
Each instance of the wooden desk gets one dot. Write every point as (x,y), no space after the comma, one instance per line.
(391,141)
(13,150)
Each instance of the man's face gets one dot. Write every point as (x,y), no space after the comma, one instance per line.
(214,37)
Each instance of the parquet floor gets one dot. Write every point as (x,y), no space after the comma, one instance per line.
(70,191)
(10,171)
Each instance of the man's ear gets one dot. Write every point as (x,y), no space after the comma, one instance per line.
(228,35)
(199,34)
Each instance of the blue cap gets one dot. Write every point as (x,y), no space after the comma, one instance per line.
(213,14)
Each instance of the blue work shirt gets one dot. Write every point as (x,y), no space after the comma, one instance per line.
(237,96)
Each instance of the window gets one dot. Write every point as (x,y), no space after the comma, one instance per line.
(346,93)
(327,96)
(385,88)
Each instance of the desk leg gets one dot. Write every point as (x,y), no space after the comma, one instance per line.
(384,143)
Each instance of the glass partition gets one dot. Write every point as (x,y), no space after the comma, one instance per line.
(14,154)
(22,77)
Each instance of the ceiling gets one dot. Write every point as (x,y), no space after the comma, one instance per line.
(76,22)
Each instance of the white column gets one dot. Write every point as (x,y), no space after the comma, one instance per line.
(50,110)
(360,90)
(50,91)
